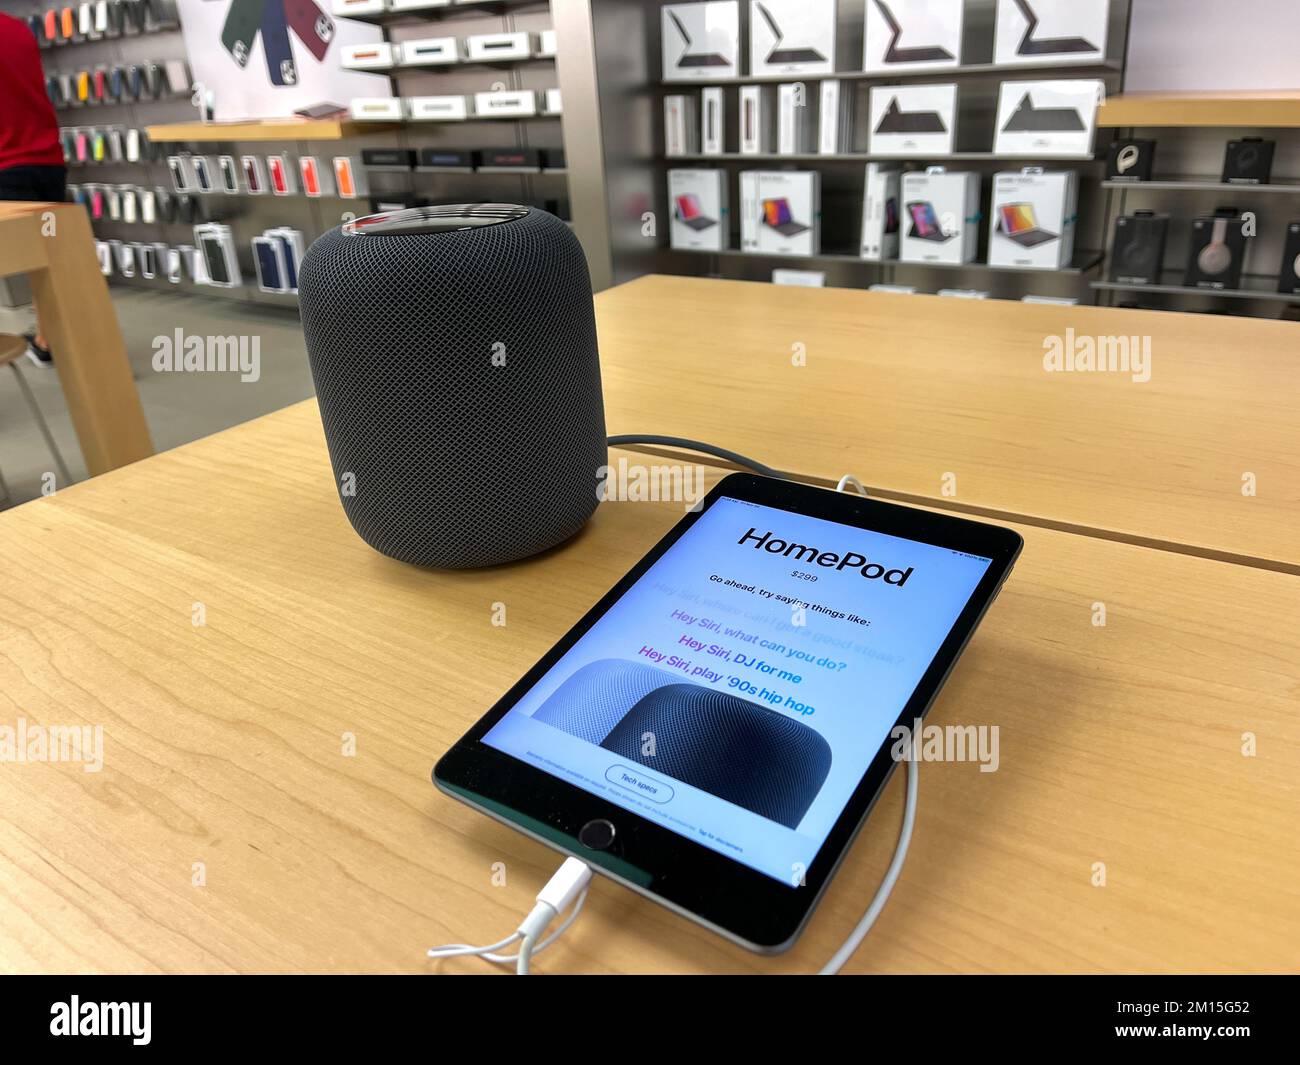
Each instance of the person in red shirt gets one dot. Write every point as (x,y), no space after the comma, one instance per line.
(31,159)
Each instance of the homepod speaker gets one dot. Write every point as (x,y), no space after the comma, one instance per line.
(1289,276)
(1138,250)
(453,350)
(595,698)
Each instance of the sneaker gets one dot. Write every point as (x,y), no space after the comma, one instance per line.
(38,355)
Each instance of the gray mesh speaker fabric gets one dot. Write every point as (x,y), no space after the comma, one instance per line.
(760,760)
(594,698)
(458,462)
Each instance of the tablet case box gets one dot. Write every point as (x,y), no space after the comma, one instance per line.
(1033,218)
(757,120)
(698,201)
(835,114)
(793,119)
(908,35)
(1217,250)
(780,212)
(1130,159)
(792,37)
(1047,118)
(713,121)
(1137,253)
(880,213)
(940,217)
(1050,31)
(679,125)
(912,119)
(701,41)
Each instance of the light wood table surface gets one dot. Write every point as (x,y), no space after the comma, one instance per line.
(53,245)
(223,745)
(904,390)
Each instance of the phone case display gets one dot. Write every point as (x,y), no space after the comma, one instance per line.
(291,251)
(908,35)
(913,119)
(254,171)
(349,179)
(780,212)
(698,199)
(281,175)
(792,37)
(880,213)
(1050,31)
(216,245)
(1217,250)
(941,216)
(1033,218)
(679,125)
(1047,118)
(316,180)
(701,41)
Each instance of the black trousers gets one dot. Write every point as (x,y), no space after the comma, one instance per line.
(34,183)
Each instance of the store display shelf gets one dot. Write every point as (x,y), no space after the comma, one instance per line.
(868,157)
(271,129)
(1202,184)
(1278,108)
(1253,287)
(968,70)
(1083,261)
(440,12)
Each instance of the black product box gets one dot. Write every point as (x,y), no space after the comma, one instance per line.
(1138,250)
(446,159)
(1289,279)
(1130,160)
(1216,251)
(388,158)
(1248,161)
(512,158)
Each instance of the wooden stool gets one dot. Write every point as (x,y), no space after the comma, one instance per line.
(12,350)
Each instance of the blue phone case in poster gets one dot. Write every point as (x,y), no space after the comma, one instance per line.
(275,42)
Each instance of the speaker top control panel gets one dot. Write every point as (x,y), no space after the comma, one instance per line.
(447,218)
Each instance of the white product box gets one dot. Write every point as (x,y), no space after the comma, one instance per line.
(791,36)
(352,8)
(546,44)
(781,212)
(713,121)
(880,213)
(698,199)
(552,102)
(376,108)
(500,47)
(964,293)
(1051,31)
(912,35)
(679,125)
(701,41)
(429,52)
(941,216)
(757,119)
(800,278)
(1032,218)
(1056,301)
(835,117)
(506,104)
(913,119)
(897,290)
(793,119)
(380,55)
(438,108)
(416,5)
(1047,118)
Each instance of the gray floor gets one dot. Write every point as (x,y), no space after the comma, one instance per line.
(179,407)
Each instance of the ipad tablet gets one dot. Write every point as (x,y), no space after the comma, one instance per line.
(714,732)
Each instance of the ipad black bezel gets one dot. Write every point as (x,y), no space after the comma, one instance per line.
(748,907)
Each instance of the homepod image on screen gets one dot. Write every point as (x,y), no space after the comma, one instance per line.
(454,354)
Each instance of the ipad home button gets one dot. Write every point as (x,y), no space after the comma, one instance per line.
(597,834)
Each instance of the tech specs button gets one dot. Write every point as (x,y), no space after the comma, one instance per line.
(597,835)
(635,780)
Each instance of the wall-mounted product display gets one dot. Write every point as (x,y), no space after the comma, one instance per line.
(698,200)
(835,116)
(793,119)
(1032,218)
(907,35)
(1138,251)
(1047,118)
(792,36)
(1248,161)
(276,255)
(757,120)
(941,216)
(880,213)
(1130,159)
(1050,31)
(216,244)
(115,83)
(1217,250)
(701,41)
(913,119)
(1289,276)
(679,125)
(780,212)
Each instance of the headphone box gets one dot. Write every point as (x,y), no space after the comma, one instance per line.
(912,119)
(780,212)
(1032,218)
(880,209)
(911,35)
(1130,160)
(701,41)
(1039,32)
(713,121)
(1289,279)
(698,202)
(941,216)
(1248,161)
(1047,118)
(792,37)
(1137,253)
(1217,248)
